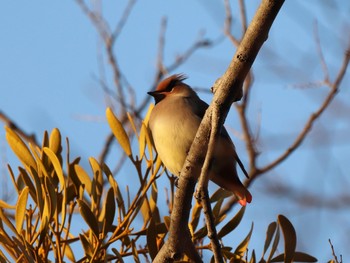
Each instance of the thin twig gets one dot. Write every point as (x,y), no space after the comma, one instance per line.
(333,253)
(334,87)
(243,14)
(12,125)
(202,188)
(228,24)
(118,29)
(320,53)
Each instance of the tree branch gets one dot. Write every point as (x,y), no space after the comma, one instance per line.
(227,90)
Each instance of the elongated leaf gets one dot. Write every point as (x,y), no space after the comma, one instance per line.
(55,141)
(113,183)
(135,254)
(148,114)
(119,257)
(152,239)
(88,248)
(57,166)
(20,148)
(269,235)
(149,142)
(146,210)
(232,224)
(83,177)
(28,182)
(97,182)
(68,252)
(142,140)
(298,257)
(196,213)
(5,205)
(217,208)
(89,217)
(167,222)
(45,216)
(253,258)
(132,123)
(12,175)
(274,244)
(109,209)
(118,131)
(290,238)
(51,195)
(21,209)
(220,194)
(242,248)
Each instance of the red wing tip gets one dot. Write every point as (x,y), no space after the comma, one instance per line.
(244,201)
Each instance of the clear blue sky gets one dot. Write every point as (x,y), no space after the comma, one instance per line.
(49,64)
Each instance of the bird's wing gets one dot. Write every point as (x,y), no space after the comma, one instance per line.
(199,110)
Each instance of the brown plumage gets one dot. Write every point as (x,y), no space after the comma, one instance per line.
(174,122)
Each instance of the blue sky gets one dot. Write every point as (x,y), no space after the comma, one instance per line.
(49,62)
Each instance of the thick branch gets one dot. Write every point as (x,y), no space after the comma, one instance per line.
(227,90)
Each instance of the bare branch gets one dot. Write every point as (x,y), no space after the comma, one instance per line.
(320,53)
(334,87)
(333,253)
(11,124)
(228,24)
(227,90)
(202,187)
(118,29)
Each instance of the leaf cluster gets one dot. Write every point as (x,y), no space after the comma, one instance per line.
(54,193)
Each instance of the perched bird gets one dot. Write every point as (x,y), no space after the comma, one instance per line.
(174,122)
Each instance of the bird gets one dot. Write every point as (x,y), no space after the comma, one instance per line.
(173,124)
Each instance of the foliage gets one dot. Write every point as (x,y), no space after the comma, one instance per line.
(54,193)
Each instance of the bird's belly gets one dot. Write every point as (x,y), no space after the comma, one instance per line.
(173,139)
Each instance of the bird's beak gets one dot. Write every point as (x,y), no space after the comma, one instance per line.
(152,93)
(157,95)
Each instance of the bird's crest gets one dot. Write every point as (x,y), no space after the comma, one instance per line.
(168,83)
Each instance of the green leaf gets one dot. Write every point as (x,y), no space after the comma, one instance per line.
(21,209)
(242,248)
(89,217)
(290,238)
(20,148)
(298,257)
(119,132)
(232,224)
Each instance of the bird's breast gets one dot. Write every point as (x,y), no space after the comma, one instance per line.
(173,130)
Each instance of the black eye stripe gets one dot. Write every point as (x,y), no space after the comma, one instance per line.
(171,85)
